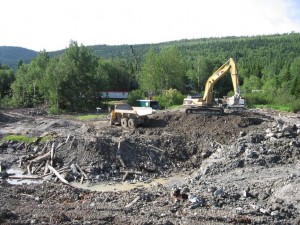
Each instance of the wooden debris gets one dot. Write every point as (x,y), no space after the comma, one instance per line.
(133,201)
(125,176)
(81,171)
(46,167)
(131,172)
(121,161)
(71,144)
(68,138)
(159,149)
(58,175)
(28,170)
(40,158)
(52,153)
(39,167)
(61,170)
(24,177)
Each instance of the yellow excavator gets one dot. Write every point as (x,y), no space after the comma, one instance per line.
(211,106)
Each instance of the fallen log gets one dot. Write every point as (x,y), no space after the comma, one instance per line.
(131,172)
(61,170)
(58,175)
(25,177)
(41,158)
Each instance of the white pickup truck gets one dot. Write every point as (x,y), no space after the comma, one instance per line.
(127,116)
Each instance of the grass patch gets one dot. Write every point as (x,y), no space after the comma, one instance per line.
(26,139)
(91,116)
(175,107)
(281,108)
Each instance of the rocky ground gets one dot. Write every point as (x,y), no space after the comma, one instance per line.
(183,169)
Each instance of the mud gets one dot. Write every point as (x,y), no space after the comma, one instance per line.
(231,169)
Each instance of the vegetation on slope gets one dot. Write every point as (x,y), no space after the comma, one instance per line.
(268,66)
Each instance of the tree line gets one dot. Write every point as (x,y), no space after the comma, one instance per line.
(268,67)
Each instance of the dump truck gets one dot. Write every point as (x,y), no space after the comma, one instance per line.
(129,117)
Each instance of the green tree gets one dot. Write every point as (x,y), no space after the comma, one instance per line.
(75,84)
(250,84)
(7,77)
(199,72)
(162,71)
(295,73)
(28,86)
(22,94)
(116,74)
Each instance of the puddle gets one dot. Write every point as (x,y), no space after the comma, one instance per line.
(22,179)
(126,186)
(104,187)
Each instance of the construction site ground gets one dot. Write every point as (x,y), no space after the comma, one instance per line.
(182,169)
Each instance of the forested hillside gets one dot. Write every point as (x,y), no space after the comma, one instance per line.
(71,79)
(12,56)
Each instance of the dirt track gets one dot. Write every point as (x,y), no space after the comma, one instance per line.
(232,169)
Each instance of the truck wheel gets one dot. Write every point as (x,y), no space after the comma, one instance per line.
(132,123)
(146,121)
(124,122)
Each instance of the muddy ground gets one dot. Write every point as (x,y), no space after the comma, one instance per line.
(183,169)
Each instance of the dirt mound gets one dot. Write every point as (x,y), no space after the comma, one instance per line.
(4,118)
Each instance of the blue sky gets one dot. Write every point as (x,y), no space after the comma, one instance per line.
(51,24)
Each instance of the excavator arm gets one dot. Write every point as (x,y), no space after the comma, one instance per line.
(219,73)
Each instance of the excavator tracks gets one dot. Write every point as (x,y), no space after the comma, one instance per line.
(205,110)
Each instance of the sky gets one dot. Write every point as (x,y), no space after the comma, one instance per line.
(51,24)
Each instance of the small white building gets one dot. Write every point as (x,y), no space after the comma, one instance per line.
(114,94)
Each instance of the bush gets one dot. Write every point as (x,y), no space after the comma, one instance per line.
(135,95)
(169,98)
(6,102)
(256,98)
(54,110)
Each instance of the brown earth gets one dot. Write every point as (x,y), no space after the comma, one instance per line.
(183,169)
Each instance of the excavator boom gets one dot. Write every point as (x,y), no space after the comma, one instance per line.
(219,73)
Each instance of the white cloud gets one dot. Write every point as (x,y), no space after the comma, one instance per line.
(50,25)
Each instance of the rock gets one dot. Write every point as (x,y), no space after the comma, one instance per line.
(269,135)
(273,139)
(275,213)
(264,211)
(219,192)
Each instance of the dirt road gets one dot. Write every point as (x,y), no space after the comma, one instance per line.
(183,169)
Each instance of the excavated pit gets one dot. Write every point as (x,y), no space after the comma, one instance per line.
(240,169)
